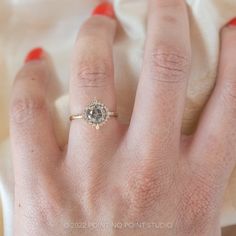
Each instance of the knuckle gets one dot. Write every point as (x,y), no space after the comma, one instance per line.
(219,157)
(169,65)
(25,109)
(146,186)
(49,203)
(198,205)
(44,210)
(93,74)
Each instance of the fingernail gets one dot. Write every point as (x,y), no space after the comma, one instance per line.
(105,9)
(232,22)
(34,55)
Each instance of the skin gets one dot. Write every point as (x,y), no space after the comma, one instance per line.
(144,172)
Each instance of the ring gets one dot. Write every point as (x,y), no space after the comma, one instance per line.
(96,114)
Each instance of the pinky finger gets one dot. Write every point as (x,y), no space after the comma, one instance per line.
(32,136)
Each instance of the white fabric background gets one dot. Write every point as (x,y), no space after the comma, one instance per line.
(53,25)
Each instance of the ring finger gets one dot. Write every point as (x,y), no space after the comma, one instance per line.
(92,78)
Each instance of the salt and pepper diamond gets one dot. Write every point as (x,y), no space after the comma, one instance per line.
(96,114)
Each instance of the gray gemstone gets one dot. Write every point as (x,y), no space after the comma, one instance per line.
(96,114)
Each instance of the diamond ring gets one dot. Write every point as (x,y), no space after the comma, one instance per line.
(96,114)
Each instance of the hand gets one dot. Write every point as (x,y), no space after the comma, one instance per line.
(148,172)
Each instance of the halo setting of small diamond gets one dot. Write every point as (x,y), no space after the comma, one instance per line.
(96,114)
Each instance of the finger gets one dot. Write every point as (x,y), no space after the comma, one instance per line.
(161,91)
(92,77)
(215,136)
(33,142)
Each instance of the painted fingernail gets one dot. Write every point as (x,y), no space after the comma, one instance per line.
(232,22)
(34,55)
(105,9)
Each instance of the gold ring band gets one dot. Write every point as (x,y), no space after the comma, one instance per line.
(80,116)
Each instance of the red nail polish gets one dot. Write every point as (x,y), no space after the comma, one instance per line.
(35,54)
(105,9)
(232,22)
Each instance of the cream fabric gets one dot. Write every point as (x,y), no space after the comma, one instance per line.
(53,24)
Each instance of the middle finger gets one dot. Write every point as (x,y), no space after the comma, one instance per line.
(161,91)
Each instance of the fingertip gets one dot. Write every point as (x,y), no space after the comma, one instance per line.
(232,23)
(229,28)
(105,9)
(35,66)
(35,54)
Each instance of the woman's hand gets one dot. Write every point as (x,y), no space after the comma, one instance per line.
(142,179)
